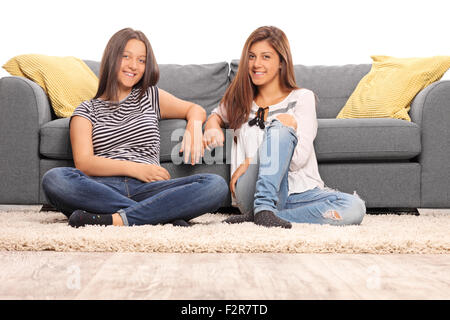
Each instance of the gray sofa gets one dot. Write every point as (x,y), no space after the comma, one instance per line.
(390,163)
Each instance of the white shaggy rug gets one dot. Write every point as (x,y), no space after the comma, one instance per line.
(31,230)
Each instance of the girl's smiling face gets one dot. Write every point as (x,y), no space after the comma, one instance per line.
(132,66)
(263,64)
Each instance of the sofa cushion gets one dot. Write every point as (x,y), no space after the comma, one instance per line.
(333,85)
(390,86)
(67,81)
(171,132)
(366,139)
(55,139)
(337,140)
(94,65)
(204,84)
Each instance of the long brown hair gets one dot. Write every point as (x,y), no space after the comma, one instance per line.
(111,60)
(239,96)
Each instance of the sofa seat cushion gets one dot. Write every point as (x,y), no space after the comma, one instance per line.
(171,132)
(366,139)
(337,139)
(55,139)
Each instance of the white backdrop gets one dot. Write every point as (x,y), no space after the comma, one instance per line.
(200,31)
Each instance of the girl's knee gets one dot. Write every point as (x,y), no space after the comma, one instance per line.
(287,120)
(54,180)
(283,131)
(50,176)
(350,211)
(357,210)
(217,183)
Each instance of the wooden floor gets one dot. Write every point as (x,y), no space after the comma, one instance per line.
(53,275)
(79,275)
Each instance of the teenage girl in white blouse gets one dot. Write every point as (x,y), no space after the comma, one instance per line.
(275,177)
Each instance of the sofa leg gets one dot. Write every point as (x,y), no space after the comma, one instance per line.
(399,211)
(228,210)
(48,207)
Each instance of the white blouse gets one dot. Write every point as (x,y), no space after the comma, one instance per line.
(303,171)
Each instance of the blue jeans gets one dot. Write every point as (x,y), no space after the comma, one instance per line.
(264,186)
(137,202)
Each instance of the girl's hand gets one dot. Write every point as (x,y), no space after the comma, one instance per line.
(149,172)
(237,174)
(172,107)
(192,144)
(212,138)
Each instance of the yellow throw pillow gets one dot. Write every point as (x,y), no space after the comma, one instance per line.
(390,86)
(68,81)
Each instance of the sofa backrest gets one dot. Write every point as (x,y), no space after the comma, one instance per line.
(204,84)
(94,65)
(332,85)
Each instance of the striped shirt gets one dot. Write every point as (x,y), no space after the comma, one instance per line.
(127,131)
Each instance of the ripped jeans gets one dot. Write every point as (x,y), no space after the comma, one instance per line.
(263,188)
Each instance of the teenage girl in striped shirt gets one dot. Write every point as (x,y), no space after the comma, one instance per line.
(117,179)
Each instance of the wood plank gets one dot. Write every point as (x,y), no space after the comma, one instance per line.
(72,275)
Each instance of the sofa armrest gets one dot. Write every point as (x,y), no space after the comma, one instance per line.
(431,110)
(24,107)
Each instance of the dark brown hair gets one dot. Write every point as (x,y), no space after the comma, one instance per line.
(111,61)
(239,96)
